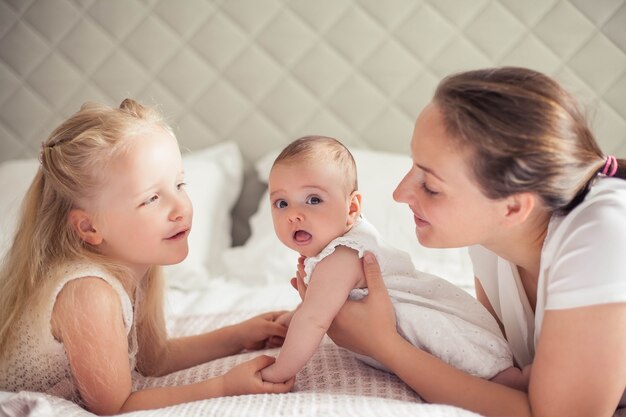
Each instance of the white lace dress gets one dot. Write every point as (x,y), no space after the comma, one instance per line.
(431,313)
(37,361)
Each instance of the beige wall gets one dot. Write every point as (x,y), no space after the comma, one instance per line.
(262,72)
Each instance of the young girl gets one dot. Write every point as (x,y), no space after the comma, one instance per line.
(80,291)
(316,211)
(504,162)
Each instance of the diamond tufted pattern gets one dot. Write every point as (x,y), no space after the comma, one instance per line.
(263,72)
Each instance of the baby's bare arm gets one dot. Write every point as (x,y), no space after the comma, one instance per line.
(328,289)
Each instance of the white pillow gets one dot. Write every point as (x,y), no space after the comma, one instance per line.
(15,178)
(263,258)
(214,178)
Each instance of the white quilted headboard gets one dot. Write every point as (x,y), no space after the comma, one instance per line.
(263,72)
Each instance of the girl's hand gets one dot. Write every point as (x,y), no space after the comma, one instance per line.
(245,378)
(262,331)
(361,325)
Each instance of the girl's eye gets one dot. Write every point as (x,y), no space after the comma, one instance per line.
(280,204)
(428,190)
(313,200)
(151,200)
(181,185)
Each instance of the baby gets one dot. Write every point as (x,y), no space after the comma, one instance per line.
(316,210)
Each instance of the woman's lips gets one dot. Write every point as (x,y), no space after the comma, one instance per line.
(419,222)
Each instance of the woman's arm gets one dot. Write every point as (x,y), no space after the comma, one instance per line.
(328,290)
(578,370)
(87,319)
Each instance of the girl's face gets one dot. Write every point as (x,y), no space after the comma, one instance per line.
(143,213)
(310,205)
(448,207)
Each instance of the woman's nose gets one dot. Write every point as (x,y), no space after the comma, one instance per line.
(401,193)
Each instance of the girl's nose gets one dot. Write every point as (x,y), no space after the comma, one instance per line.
(181,208)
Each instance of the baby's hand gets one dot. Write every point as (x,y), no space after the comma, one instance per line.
(297,282)
(246,378)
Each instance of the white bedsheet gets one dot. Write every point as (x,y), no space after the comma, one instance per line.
(333,383)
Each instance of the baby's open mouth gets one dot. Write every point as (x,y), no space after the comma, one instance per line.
(300,236)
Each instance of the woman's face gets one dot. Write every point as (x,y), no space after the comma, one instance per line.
(448,207)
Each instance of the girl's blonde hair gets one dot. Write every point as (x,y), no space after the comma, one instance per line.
(73,161)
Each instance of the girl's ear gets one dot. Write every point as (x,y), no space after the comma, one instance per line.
(518,208)
(82,223)
(354,210)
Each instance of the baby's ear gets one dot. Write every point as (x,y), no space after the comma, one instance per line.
(81,221)
(354,210)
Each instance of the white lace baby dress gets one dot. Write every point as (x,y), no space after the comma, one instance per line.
(431,313)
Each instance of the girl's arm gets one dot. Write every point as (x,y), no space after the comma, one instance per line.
(87,319)
(578,369)
(328,290)
(185,352)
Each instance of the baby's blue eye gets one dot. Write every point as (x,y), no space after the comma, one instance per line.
(280,204)
(313,200)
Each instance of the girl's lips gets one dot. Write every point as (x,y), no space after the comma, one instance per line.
(179,235)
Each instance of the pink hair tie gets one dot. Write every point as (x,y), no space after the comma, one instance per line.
(611,162)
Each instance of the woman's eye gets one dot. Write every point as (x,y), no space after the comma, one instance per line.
(280,204)
(428,190)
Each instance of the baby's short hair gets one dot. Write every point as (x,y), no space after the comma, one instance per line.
(316,148)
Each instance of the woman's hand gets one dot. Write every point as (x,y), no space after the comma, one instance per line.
(361,325)
(245,378)
(262,331)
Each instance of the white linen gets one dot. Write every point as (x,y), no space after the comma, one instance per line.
(333,383)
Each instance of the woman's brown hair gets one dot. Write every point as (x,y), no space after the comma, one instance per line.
(525,133)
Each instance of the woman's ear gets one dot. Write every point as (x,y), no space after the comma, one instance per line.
(354,209)
(83,225)
(518,208)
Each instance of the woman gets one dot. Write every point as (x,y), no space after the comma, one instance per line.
(504,163)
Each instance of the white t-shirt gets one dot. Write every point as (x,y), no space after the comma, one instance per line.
(583,263)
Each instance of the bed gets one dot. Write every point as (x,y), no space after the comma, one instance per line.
(220,283)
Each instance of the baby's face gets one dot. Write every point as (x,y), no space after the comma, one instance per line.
(310,205)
